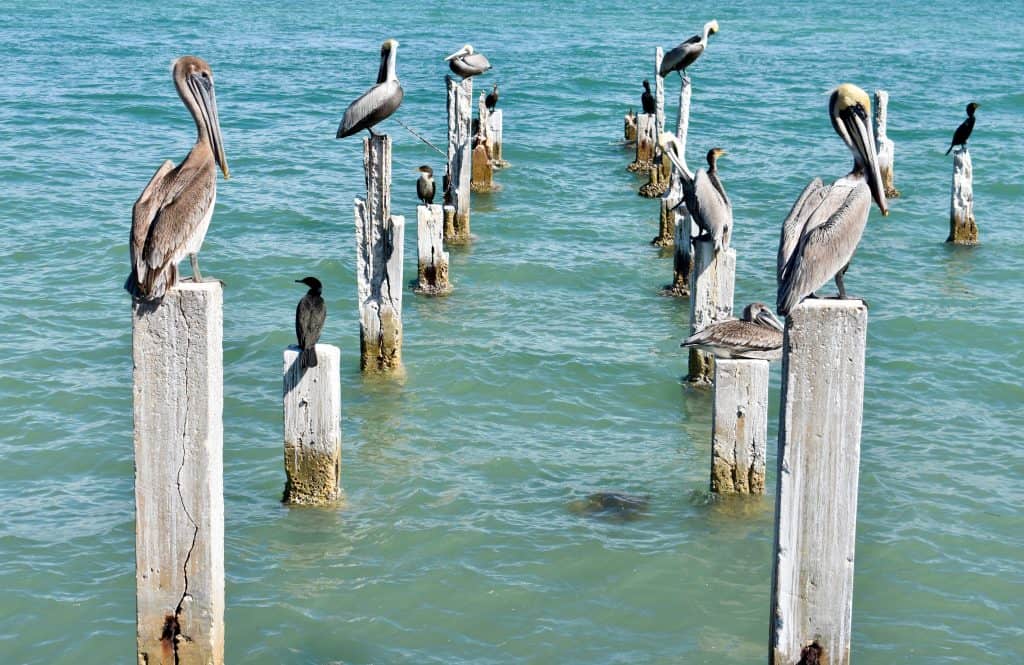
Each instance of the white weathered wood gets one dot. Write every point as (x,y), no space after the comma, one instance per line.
(659,91)
(886,148)
(496,119)
(711,293)
(739,426)
(645,140)
(377,172)
(460,150)
(682,224)
(963,230)
(818,464)
(629,127)
(433,260)
(683,117)
(179,497)
(482,171)
(312,427)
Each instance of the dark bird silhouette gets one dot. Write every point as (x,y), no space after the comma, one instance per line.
(425,185)
(309,321)
(491,100)
(963,132)
(380,101)
(647,99)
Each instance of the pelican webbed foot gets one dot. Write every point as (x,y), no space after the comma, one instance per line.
(197,276)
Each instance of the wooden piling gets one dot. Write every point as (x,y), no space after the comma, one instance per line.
(460,148)
(629,128)
(496,119)
(711,293)
(661,168)
(681,222)
(818,468)
(886,148)
(482,176)
(312,427)
(178,402)
(645,140)
(433,260)
(739,426)
(379,248)
(659,92)
(963,230)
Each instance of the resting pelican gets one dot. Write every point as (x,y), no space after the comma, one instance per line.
(491,100)
(824,227)
(758,334)
(963,132)
(425,185)
(466,63)
(647,101)
(708,204)
(682,56)
(380,101)
(171,216)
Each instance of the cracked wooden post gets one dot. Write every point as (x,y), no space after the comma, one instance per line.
(818,468)
(681,222)
(496,119)
(482,172)
(460,149)
(645,140)
(711,293)
(433,260)
(312,427)
(962,228)
(739,426)
(629,128)
(661,167)
(179,488)
(379,247)
(886,148)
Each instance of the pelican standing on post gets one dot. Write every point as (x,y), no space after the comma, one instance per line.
(824,227)
(425,185)
(466,63)
(171,216)
(758,334)
(708,203)
(963,132)
(682,56)
(380,101)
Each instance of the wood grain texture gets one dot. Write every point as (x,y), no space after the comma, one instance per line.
(432,273)
(711,294)
(460,150)
(312,427)
(739,426)
(963,230)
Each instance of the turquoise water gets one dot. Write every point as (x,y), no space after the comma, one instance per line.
(551,372)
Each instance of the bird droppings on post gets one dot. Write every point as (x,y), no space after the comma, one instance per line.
(963,230)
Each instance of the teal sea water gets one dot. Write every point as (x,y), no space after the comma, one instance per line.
(551,372)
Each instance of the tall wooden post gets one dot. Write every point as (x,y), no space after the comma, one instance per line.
(818,472)
(886,148)
(379,247)
(433,260)
(645,140)
(659,91)
(482,177)
(496,136)
(682,223)
(739,426)
(312,427)
(460,149)
(963,230)
(179,488)
(711,294)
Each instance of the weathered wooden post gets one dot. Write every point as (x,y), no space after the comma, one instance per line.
(677,215)
(379,247)
(886,148)
(178,402)
(711,293)
(661,168)
(629,127)
(482,178)
(659,91)
(312,427)
(962,228)
(460,149)
(433,260)
(739,426)
(496,136)
(818,469)
(645,139)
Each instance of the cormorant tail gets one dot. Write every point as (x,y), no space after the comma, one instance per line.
(950,148)
(308,358)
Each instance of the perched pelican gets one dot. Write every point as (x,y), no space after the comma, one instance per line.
(963,132)
(466,63)
(491,100)
(647,99)
(425,185)
(310,315)
(708,204)
(378,102)
(171,216)
(682,56)
(824,227)
(758,334)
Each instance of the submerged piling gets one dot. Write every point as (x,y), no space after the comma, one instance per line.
(432,275)
(886,148)
(739,426)
(460,149)
(963,230)
(711,294)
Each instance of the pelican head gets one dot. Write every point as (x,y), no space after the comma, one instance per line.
(194,80)
(762,315)
(711,27)
(850,111)
(465,50)
(427,170)
(972,107)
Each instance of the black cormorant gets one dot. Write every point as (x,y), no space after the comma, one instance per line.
(425,185)
(647,99)
(491,100)
(963,132)
(309,321)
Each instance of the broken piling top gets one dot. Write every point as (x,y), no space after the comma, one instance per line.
(963,230)
(645,140)
(177,388)
(629,127)
(739,426)
(432,273)
(312,427)
(460,148)
(884,145)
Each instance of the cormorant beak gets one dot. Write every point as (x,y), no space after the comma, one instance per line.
(855,128)
(462,51)
(201,86)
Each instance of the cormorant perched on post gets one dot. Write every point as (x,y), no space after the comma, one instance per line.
(647,99)
(309,321)
(682,56)
(425,185)
(380,101)
(963,132)
(491,100)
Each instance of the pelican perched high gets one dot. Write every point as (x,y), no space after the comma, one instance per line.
(824,227)
(708,203)
(466,63)
(757,335)
(380,101)
(682,56)
(963,132)
(171,216)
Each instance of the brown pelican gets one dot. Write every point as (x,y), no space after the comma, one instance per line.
(708,204)
(682,56)
(310,315)
(466,63)
(378,102)
(171,216)
(491,100)
(647,99)
(824,227)
(425,185)
(963,132)
(758,334)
